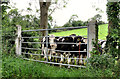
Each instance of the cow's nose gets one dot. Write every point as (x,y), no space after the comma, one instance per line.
(52,45)
(54,53)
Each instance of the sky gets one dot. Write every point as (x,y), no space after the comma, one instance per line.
(83,8)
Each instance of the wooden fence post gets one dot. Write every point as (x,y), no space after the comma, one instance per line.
(18,40)
(91,36)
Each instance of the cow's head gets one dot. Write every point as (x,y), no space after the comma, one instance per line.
(53,45)
(73,36)
(78,39)
(68,39)
(51,40)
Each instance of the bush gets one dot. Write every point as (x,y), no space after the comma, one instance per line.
(101,61)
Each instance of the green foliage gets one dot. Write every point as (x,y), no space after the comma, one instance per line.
(9,21)
(98,18)
(113,39)
(75,24)
(13,67)
(67,25)
(101,61)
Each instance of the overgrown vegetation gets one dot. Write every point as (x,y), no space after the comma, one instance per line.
(9,21)
(110,58)
(113,38)
(18,68)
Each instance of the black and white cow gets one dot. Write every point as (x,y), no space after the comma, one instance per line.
(51,45)
(63,46)
(103,44)
(79,46)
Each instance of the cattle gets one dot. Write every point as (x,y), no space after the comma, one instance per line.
(102,43)
(62,46)
(101,46)
(76,40)
(48,45)
(59,44)
(79,46)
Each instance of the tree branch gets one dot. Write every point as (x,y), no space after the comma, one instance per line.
(52,11)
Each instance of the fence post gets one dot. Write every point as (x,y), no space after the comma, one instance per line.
(91,36)
(18,40)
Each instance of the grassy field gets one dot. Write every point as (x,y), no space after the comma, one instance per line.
(103,29)
(18,68)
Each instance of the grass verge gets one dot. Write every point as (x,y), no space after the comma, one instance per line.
(18,68)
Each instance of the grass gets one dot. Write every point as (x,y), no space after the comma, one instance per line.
(67,33)
(103,29)
(18,68)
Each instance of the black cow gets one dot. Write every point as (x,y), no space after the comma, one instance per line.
(79,46)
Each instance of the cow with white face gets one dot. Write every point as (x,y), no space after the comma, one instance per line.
(48,42)
(53,45)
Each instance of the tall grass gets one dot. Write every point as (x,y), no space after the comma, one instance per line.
(18,68)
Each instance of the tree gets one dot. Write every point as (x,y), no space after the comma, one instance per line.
(44,8)
(73,18)
(97,17)
(77,23)
(67,25)
(113,39)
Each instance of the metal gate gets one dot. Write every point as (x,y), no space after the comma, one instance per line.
(34,52)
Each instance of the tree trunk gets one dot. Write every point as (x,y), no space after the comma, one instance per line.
(44,6)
